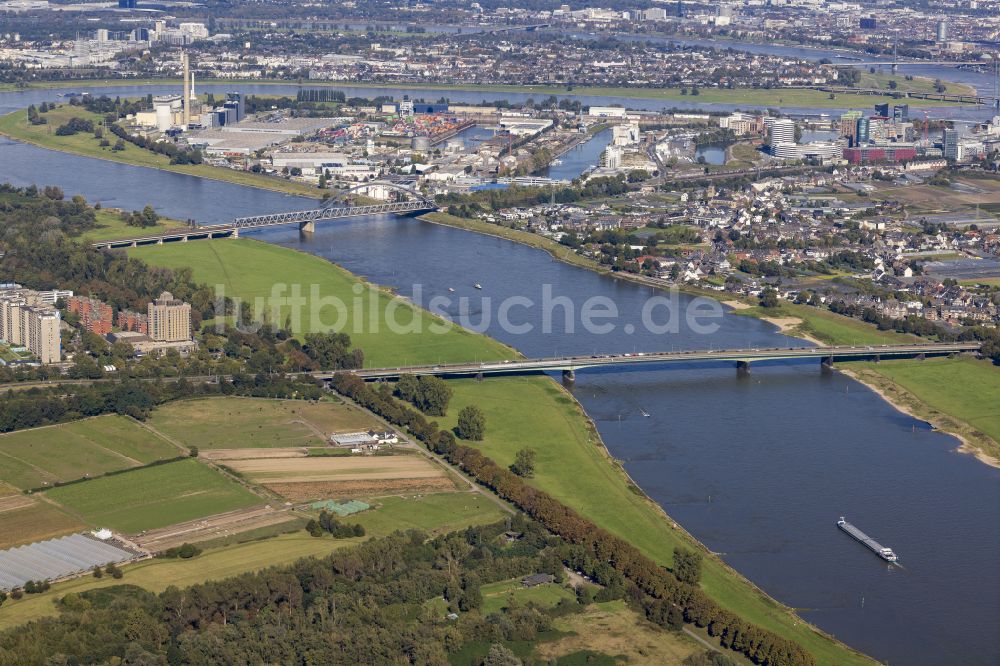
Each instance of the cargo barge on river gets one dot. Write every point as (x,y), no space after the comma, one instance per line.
(882,551)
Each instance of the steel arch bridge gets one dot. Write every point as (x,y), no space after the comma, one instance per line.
(410,201)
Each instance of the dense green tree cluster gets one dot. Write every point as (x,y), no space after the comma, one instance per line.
(35,117)
(147,217)
(524,463)
(471,423)
(512,197)
(328,523)
(116,108)
(362,605)
(43,213)
(429,394)
(75,126)
(184,551)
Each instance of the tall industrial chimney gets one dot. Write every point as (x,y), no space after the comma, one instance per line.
(185,91)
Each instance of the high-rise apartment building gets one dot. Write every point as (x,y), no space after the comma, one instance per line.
(782,130)
(169,319)
(25,323)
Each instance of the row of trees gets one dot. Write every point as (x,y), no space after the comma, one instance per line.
(39,406)
(514,197)
(177,154)
(657,585)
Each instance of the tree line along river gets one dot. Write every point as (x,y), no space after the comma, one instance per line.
(756,467)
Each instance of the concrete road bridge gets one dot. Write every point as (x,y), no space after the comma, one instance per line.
(570,364)
(742,358)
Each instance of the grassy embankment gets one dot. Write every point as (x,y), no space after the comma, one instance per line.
(554,248)
(918,84)
(825,326)
(957,395)
(249,269)
(525,411)
(754,97)
(15,125)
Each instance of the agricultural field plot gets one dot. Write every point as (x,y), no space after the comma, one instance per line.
(220,526)
(34,458)
(234,423)
(153,497)
(318,477)
(26,519)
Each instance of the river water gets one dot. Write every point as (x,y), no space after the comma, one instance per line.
(756,467)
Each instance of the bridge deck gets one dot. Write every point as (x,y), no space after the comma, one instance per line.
(573,363)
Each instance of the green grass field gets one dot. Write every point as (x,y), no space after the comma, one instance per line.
(15,125)
(497,596)
(237,423)
(919,84)
(829,327)
(575,468)
(33,458)
(438,512)
(959,395)
(111,226)
(153,497)
(250,269)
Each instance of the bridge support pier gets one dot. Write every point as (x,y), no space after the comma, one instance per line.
(742,368)
(236,232)
(826,365)
(877,359)
(479,376)
(569,376)
(921,357)
(307,227)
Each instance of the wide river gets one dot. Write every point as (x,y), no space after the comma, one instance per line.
(757,467)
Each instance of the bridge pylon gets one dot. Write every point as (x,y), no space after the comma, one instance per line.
(308,227)
(826,364)
(742,368)
(569,375)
